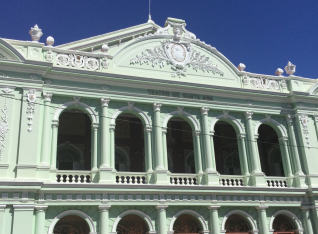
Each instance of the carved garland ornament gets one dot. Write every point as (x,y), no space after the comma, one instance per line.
(31,97)
(304,122)
(264,83)
(4,127)
(80,61)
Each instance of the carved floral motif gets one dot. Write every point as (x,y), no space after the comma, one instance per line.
(264,83)
(80,61)
(304,122)
(49,56)
(4,127)
(31,98)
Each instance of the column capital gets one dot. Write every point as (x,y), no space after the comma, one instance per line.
(161,207)
(104,102)
(104,207)
(40,208)
(248,114)
(47,96)
(283,139)
(157,106)
(196,133)
(164,130)
(241,136)
(261,208)
(55,123)
(214,207)
(148,129)
(316,118)
(112,127)
(2,207)
(95,126)
(305,208)
(289,118)
(23,207)
(212,133)
(204,110)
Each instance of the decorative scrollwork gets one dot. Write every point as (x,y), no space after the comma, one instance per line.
(264,83)
(79,61)
(4,127)
(49,56)
(31,98)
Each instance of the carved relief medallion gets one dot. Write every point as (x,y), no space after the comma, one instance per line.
(178,53)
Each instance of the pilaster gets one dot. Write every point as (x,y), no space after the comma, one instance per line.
(241,142)
(94,154)
(23,219)
(148,154)
(55,125)
(286,160)
(197,155)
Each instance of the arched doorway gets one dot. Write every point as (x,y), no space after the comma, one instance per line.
(187,224)
(71,224)
(226,149)
(129,141)
(269,151)
(283,225)
(132,224)
(74,141)
(179,141)
(236,224)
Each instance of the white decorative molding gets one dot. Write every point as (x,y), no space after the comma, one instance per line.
(289,118)
(2,74)
(180,110)
(49,56)
(249,103)
(237,125)
(143,115)
(135,212)
(304,122)
(105,63)
(35,33)
(78,61)
(268,119)
(33,76)
(157,106)
(31,98)
(130,105)
(48,82)
(190,212)
(245,80)
(204,110)
(264,83)
(7,90)
(76,100)
(196,133)
(193,122)
(179,54)
(248,114)
(4,127)
(290,215)
(47,96)
(226,114)
(283,84)
(105,87)
(104,102)
(247,217)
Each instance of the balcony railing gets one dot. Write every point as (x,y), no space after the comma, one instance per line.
(231,180)
(131,178)
(73,177)
(276,182)
(183,179)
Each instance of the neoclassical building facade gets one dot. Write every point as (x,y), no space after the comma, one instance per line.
(151,130)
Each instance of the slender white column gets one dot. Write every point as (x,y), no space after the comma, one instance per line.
(104,218)
(105,159)
(243,155)
(158,136)
(197,148)
(164,148)
(112,145)
(262,218)
(40,219)
(307,220)
(94,146)
(212,149)
(148,154)
(161,210)
(287,166)
(55,125)
(2,209)
(214,219)
(45,150)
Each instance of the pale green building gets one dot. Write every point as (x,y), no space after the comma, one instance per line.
(151,130)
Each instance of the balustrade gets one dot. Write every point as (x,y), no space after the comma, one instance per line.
(231,181)
(183,179)
(73,177)
(130,178)
(276,182)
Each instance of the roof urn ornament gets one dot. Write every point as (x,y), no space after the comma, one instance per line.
(241,67)
(50,41)
(104,48)
(36,33)
(290,68)
(279,72)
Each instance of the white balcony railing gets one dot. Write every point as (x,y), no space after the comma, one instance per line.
(276,182)
(73,177)
(131,178)
(231,180)
(183,179)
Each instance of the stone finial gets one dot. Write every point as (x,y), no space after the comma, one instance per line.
(290,68)
(241,67)
(50,41)
(104,48)
(36,33)
(279,72)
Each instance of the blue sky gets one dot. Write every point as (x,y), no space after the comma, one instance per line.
(264,35)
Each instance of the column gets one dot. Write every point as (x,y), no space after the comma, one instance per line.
(148,155)
(206,139)
(243,155)
(164,148)
(105,159)
(212,149)
(161,215)
(307,220)
(2,210)
(45,150)
(94,146)
(158,136)
(252,144)
(314,215)
(104,217)
(40,219)
(55,125)
(287,166)
(112,145)
(214,219)
(262,218)
(22,219)
(197,154)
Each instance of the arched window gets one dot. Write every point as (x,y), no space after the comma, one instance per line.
(283,225)
(189,164)
(71,224)
(269,151)
(74,141)
(179,145)
(129,141)
(236,224)
(132,224)
(226,149)
(186,224)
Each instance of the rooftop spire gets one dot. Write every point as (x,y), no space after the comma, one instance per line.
(149,18)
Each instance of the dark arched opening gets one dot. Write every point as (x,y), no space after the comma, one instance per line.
(269,151)
(132,224)
(129,141)
(236,224)
(226,149)
(186,224)
(74,141)
(283,225)
(180,146)
(71,224)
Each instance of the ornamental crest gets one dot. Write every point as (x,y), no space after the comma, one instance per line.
(31,96)
(177,53)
